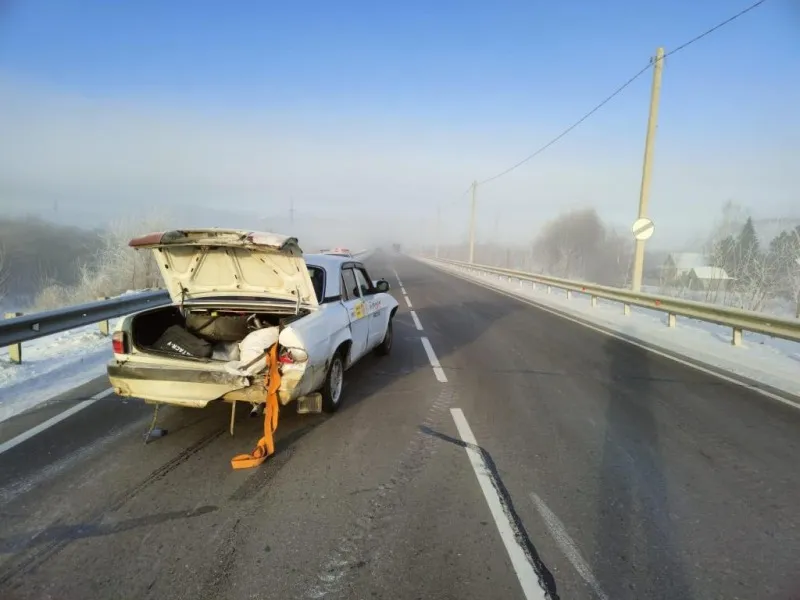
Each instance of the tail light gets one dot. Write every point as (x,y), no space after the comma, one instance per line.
(290,356)
(119,342)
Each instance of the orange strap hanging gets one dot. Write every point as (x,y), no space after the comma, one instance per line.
(266,445)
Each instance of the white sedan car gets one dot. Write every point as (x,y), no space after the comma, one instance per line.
(233,290)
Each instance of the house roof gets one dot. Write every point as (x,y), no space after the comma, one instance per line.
(688,260)
(710,273)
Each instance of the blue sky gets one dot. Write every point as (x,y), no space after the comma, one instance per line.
(472,86)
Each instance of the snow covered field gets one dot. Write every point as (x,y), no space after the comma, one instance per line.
(766,360)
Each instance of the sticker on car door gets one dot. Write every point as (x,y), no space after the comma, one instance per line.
(358,310)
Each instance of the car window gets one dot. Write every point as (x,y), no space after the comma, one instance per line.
(364,284)
(350,289)
(318,281)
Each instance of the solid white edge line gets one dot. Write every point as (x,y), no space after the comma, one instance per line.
(528,579)
(437,368)
(22,437)
(415,318)
(568,547)
(686,363)
(408,301)
(402,289)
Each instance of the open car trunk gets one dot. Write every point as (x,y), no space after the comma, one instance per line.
(234,295)
(201,334)
(191,357)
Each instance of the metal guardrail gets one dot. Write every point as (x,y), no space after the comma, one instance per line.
(737,319)
(18,328)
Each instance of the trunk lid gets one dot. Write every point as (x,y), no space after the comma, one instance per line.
(206,265)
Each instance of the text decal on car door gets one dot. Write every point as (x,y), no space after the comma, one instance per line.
(373,306)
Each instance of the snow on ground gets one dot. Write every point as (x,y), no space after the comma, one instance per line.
(771,361)
(50,366)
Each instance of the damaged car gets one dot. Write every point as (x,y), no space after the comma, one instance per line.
(234,294)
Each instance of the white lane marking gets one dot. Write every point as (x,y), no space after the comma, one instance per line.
(400,283)
(631,341)
(415,318)
(437,368)
(526,574)
(402,289)
(568,547)
(408,301)
(16,441)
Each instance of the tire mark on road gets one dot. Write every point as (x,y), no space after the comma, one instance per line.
(35,557)
(349,555)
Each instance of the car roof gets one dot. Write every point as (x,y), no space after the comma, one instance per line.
(332,263)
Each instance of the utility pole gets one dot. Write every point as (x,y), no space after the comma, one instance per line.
(472,225)
(291,212)
(438,227)
(644,192)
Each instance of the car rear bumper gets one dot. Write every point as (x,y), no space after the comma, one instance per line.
(182,387)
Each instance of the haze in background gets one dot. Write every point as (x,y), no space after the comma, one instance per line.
(348,122)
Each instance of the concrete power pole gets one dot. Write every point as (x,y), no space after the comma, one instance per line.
(644,192)
(438,228)
(472,225)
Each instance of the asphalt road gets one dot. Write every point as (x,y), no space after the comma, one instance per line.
(618,473)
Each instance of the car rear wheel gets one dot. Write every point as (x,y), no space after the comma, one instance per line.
(385,347)
(334,384)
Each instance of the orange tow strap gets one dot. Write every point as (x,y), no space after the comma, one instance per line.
(266,445)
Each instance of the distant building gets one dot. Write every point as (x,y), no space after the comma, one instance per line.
(678,265)
(707,279)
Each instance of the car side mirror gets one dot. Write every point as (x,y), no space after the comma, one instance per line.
(382,286)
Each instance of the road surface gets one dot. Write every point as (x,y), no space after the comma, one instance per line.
(597,470)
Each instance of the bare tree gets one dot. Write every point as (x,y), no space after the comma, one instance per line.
(116,269)
(578,245)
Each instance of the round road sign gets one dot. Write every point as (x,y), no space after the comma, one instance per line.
(642,229)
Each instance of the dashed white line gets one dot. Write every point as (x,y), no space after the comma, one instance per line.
(526,574)
(568,547)
(402,289)
(437,368)
(400,283)
(16,441)
(408,301)
(415,318)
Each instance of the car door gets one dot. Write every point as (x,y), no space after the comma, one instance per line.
(356,312)
(376,309)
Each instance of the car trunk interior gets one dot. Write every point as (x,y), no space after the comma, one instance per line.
(202,334)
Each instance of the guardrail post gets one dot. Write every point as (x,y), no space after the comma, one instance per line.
(594,301)
(569,294)
(104,325)
(736,338)
(671,320)
(549,289)
(14,350)
(626,309)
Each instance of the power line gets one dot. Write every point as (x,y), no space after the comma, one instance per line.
(620,89)
(457,200)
